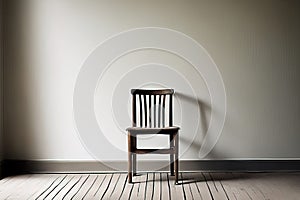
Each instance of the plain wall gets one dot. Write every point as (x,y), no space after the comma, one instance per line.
(255,45)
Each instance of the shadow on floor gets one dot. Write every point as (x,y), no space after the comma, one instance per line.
(193,177)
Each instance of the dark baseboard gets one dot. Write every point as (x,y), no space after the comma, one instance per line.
(1,169)
(12,167)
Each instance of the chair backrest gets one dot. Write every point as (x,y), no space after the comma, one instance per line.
(152,108)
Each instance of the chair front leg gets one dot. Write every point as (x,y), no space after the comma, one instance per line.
(129,158)
(134,154)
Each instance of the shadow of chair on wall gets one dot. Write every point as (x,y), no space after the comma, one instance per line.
(207,174)
(204,122)
(204,108)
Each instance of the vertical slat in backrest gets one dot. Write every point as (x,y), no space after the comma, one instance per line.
(145,111)
(154,111)
(141,110)
(171,111)
(134,110)
(152,114)
(163,110)
(159,110)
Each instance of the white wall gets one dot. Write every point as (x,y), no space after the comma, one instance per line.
(255,44)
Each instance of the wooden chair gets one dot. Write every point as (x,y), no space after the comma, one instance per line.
(152,119)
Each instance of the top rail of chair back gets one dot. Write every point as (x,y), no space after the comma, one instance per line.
(152,91)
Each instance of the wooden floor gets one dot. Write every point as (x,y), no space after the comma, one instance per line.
(153,186)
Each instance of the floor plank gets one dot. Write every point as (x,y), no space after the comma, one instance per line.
(118,187)
(31,184)
(165,186)
(156,186)
(214,187)
(126,190)
(149,187)
(226,184)
(82,193)
(193,189)
(139,192)
(76,186)
(12,184)
(64,191)
(50,186)
(176,190)
(34,190)
(241,190)
(113,185)
(53,193)
(186,186)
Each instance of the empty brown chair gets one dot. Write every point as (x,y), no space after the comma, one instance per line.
(152,115)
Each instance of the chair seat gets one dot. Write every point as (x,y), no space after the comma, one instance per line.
(141,130)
